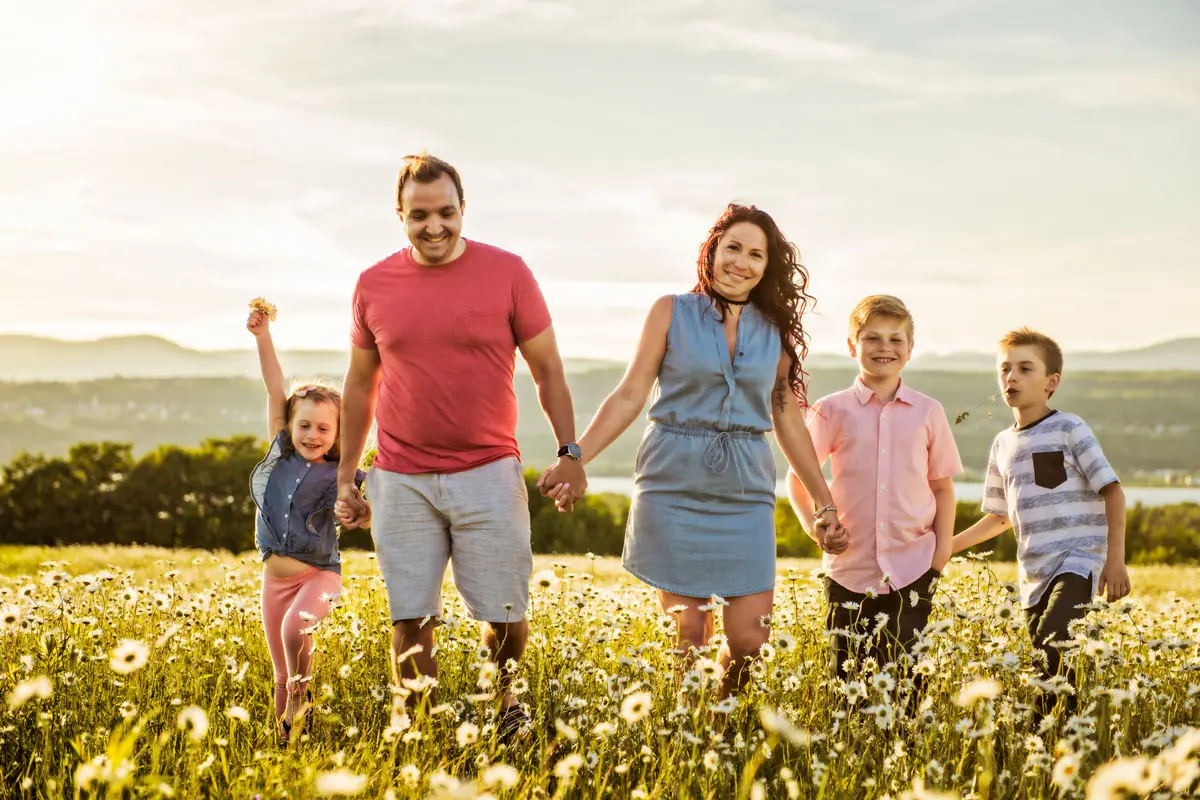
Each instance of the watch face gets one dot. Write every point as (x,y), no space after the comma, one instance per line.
(571,449)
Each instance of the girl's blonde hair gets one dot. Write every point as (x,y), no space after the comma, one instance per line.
(318,393)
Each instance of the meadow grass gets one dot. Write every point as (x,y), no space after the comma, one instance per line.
(613,717)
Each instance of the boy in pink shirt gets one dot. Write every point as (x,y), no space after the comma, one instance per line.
(893,458)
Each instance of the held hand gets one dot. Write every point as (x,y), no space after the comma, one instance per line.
(565,496)
(548,480)
(346,517)
(564,499)
(831,535)
(257,323)
(941,555)
(564,483)
(1115,579)
(351,509)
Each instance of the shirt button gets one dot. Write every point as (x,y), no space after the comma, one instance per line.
(289,497)
(285,516)
(308,466)
(297,480)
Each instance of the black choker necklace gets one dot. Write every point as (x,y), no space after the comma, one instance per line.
(717,295)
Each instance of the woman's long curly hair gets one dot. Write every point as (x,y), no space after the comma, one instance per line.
(781,294)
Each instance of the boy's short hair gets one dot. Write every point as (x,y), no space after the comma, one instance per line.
(880,305)
(1051,353)
(424,168)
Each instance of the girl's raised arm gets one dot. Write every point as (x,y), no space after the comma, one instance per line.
(272,373)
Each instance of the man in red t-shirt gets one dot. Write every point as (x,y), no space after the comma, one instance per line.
(435,332)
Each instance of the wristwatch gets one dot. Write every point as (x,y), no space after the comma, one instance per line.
(570,450)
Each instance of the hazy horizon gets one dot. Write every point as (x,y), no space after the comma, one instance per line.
(995,164)
(249,346)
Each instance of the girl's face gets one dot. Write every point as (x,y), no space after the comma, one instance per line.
(740,260)
(314,428)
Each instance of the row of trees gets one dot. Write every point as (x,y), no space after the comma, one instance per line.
(1146,421)
(199,497)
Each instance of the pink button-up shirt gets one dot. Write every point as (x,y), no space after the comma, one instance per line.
(883,459)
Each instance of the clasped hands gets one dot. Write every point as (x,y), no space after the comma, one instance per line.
(830,534)
(351,508)
(564,482)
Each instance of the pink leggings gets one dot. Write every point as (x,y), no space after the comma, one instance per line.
(283,602)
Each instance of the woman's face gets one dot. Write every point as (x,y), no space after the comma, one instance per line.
(740,260)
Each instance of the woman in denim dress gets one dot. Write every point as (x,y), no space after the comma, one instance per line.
(725,362)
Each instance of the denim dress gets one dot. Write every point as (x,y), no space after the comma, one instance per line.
(702,516)
(295,499)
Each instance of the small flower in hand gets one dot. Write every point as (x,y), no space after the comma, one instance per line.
(261,304)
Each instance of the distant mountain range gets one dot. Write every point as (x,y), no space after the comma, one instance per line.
(35,358)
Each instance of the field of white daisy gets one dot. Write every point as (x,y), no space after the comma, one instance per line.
(144,672)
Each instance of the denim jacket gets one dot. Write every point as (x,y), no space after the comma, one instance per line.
(295,498)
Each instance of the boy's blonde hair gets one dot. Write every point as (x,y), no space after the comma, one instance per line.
(318,393)
(881,305)
(1051,353)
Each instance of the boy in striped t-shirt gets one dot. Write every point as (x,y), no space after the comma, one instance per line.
(1048,479)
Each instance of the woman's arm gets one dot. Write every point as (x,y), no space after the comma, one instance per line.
(622,406)
(787,415)
(272,373)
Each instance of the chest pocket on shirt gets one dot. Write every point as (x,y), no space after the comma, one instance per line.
(477,329)
(1049,469)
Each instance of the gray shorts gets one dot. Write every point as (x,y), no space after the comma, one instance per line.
(478,520)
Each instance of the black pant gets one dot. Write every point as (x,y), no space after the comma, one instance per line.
(906,619)
(1049,621)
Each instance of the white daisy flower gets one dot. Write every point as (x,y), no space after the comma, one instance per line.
(339,783)
(129,656)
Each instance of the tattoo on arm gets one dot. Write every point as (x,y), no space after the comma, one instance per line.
(779,393)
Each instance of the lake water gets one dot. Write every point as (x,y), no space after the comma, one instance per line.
(1147,496)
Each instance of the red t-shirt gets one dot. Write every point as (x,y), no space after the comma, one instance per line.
(447,338)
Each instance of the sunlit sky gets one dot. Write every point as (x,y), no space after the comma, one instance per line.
(993,163)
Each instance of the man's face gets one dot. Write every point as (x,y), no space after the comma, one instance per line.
(432,217)
(882,347)
(1023,378)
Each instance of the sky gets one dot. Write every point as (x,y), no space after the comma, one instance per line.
(994,163)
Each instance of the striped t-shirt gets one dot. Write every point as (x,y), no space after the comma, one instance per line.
(1046,478)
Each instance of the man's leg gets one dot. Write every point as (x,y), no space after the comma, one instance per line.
(412,546)
(412,649)
(488,509)
(506,642)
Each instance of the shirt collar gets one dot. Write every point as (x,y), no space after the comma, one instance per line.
(864,392)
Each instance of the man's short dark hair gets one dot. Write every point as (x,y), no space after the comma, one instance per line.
(424,168)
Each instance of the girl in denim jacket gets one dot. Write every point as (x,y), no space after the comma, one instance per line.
(294,489)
